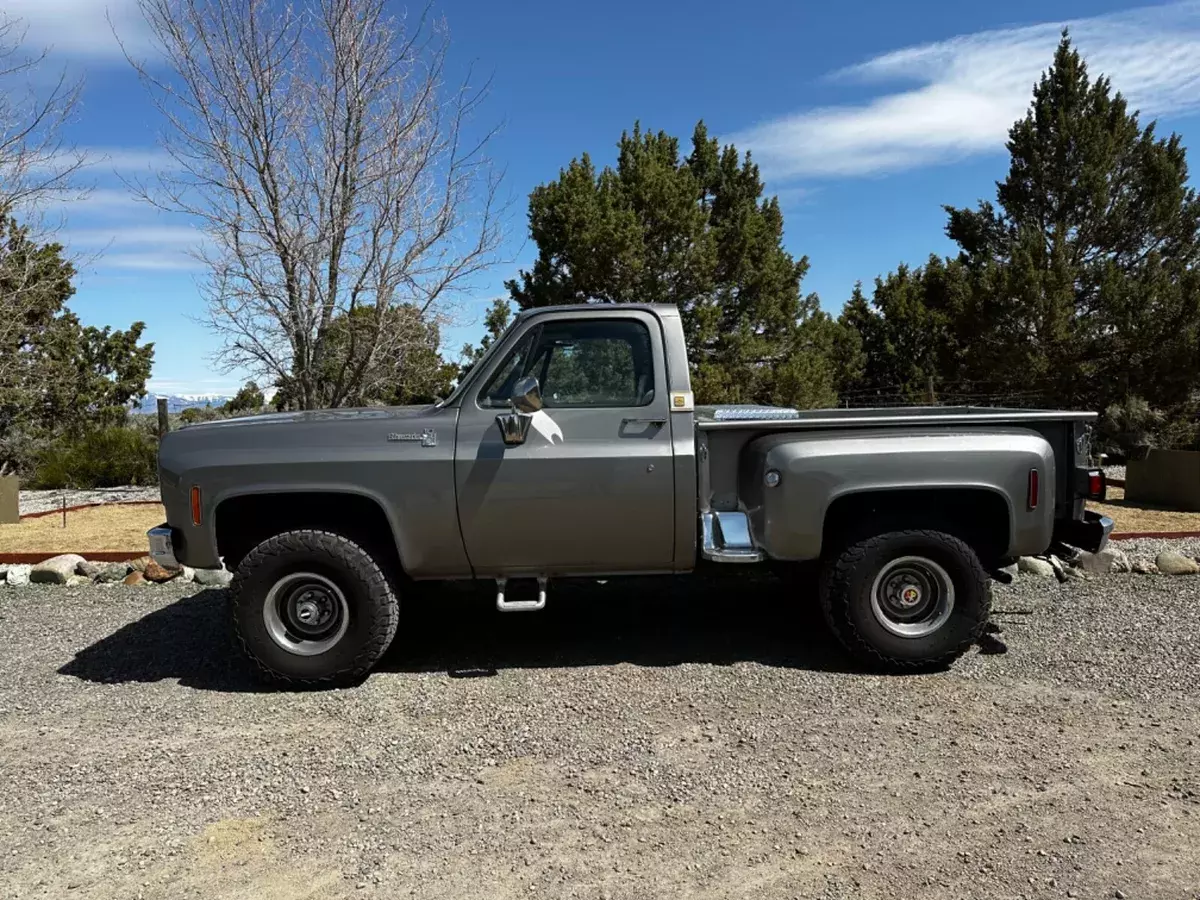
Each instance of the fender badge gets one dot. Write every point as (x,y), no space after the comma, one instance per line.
(428,437)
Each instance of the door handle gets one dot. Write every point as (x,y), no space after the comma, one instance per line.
(656,422)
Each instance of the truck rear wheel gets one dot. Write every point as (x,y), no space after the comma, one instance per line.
(312,608)
(906,600)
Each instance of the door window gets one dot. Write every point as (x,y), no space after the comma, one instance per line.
(605,363)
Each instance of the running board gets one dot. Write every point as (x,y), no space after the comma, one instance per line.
(520,605)
(725,538)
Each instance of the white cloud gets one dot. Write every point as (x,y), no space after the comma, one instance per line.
(135,161)
(80,28)
(150,260)
(970,89)
(119,237)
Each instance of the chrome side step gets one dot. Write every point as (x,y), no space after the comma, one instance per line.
(725,538)
(520,605)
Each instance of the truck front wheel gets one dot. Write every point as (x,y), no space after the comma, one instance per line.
(906,600)
(312,608)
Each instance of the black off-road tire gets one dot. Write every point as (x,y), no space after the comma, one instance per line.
(847,583)
(373,610)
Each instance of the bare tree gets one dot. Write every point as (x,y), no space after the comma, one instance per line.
(329,171)
(36,166)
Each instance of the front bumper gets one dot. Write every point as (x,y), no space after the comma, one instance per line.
(162,546)
(1089,533)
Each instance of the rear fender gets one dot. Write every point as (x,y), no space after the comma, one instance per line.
(816,469)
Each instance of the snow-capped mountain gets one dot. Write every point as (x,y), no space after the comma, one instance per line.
(180,402)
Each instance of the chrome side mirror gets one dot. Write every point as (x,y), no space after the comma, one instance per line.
(526,395)
(526,399)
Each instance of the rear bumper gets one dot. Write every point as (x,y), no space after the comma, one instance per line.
(1089,533)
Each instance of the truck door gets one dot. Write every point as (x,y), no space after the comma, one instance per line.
(592,489)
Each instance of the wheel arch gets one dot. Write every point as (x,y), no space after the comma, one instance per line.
(245,519)
(979,515)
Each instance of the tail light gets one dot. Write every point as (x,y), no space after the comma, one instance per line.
(1034,488)
(1096,484)
(195,505)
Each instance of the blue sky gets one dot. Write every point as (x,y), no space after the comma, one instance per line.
(865,118)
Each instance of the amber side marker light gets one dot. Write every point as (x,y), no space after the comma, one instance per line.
(195,506)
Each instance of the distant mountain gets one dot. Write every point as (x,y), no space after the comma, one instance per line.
(179,402)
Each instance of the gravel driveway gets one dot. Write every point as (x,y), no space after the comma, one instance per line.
(659,739)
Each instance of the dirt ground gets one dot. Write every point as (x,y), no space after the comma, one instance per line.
(661,738)
(111,527)
(1130,518)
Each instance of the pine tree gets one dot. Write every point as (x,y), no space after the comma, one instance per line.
(1087,278)
(695,232)
(1078,287)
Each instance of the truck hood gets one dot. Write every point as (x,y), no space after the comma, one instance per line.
(313,416)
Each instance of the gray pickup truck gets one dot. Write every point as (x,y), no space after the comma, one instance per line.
(574,449)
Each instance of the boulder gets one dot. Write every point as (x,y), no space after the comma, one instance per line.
(17,574)
(156,573)
(55,570)
(111,573)
(88,569)
(1139,566)
(1031,565)
(186,573)
(213,577)
(139,564)
(1171,563)
(1109,560)
(135,577)
(1060,571)
(77,580)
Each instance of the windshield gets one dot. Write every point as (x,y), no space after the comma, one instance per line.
(478,366)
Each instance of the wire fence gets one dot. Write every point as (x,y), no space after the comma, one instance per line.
(960,393)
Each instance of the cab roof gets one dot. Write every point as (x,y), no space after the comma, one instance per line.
(659,309)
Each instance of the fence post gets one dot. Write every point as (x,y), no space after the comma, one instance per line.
(164,424)
(932,395)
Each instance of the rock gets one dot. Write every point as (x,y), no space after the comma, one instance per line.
(186,573)
(1031,565)
(1010,571)
(1109,560)
(139,564)
(17,574)
(1171,563)
(1075,574)
(56,569)
(112,573)
(1140,566)
(213,577)
(88,569)
(1060,571)
(135,577)
(78,579)
(156,573)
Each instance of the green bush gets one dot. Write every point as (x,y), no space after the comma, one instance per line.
(194,414)
(108,457)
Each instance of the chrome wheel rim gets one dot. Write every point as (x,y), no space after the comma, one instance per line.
(305,613)
(912,597)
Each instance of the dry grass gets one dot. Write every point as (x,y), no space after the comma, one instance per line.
(117,526)
(1141,518)
(120,527)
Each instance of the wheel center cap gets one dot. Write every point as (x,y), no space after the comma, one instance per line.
(910,596)
(308,612)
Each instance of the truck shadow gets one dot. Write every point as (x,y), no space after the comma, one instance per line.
(457,630)
(641,621)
